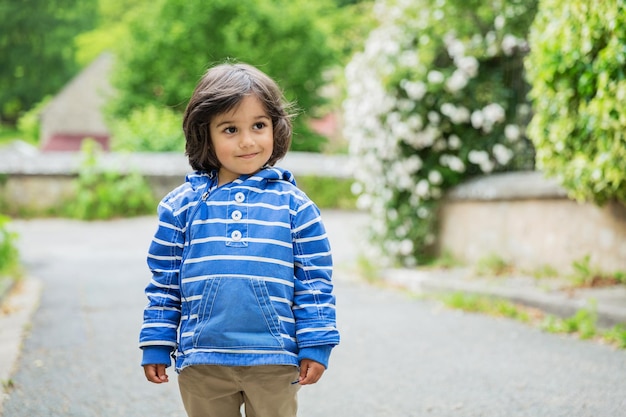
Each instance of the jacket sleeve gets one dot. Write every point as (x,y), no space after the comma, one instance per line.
(314,301)
(162,315)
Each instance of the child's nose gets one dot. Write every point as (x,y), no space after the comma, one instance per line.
(246,140)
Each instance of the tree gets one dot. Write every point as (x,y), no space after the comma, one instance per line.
(175,41)
(37,49)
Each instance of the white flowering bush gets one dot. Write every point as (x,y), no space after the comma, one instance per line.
(577,69)
(437,96)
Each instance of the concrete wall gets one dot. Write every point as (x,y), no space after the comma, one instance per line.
(529,221)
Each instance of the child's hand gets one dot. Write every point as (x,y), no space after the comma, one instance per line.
(310,371)
(156,373)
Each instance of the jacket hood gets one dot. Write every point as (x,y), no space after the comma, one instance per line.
(275,173)
(200,179)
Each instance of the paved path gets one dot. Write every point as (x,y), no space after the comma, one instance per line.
(399,356)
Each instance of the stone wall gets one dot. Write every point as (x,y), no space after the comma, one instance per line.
(528,220)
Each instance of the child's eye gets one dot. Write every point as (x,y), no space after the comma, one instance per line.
(259,125)
(230,130)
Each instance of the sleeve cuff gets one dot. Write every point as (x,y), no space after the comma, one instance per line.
(319,354)
(156,355)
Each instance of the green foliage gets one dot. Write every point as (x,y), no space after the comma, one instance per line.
(149,129)
(587,275)
(29,123)
(492,265)
(113,28)
(431,104)
(577,71)
(172,43)
(481,304)
(328,192)
(37,49)
(105,194)
(617,336)
(583,323)
(9,255)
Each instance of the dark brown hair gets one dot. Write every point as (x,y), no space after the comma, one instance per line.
(220,90)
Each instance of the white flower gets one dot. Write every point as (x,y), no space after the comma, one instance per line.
(456,164)
(509,43)
(456,48)
(478,157)
(435,177)
(454,142)
(435,77)
(415,90)
(406,247)
(422,187)
(512,132)
(461,115)
(494,113)
(356,188)
(457,81)
(477,118)
(422,212)
(468,64)
(502,154)
(499,22)
(434,118)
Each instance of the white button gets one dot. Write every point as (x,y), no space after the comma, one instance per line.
(236,235)
(239,197)
(236,216)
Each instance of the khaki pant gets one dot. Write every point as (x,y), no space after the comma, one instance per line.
(219,391)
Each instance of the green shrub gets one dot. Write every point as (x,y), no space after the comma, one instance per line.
(576,69)
(9,255)
(437,96)
(328,192)
(149,129)
(105,194)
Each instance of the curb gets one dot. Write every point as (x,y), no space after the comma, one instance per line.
(609,302)
(17,306)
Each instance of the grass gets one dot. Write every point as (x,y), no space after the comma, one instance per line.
(583,324)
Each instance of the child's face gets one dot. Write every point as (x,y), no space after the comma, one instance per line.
(243,139)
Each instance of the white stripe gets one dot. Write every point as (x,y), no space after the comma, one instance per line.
(164,258)
(161,295)
(167,325)
(165,271)
(312,238)
(305,225)
(280,300)
(315,329)
(159,285)
(157,343)
(315,255)
(310,281)
(313,267)
(240,351)
(301,306)
(238,258)
(286,319)
(169,226)
(309,292)
(166,243)
(288,283)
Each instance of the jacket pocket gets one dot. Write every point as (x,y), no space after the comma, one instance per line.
(237,313)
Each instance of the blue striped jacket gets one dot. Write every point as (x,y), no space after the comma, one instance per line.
(241,275)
